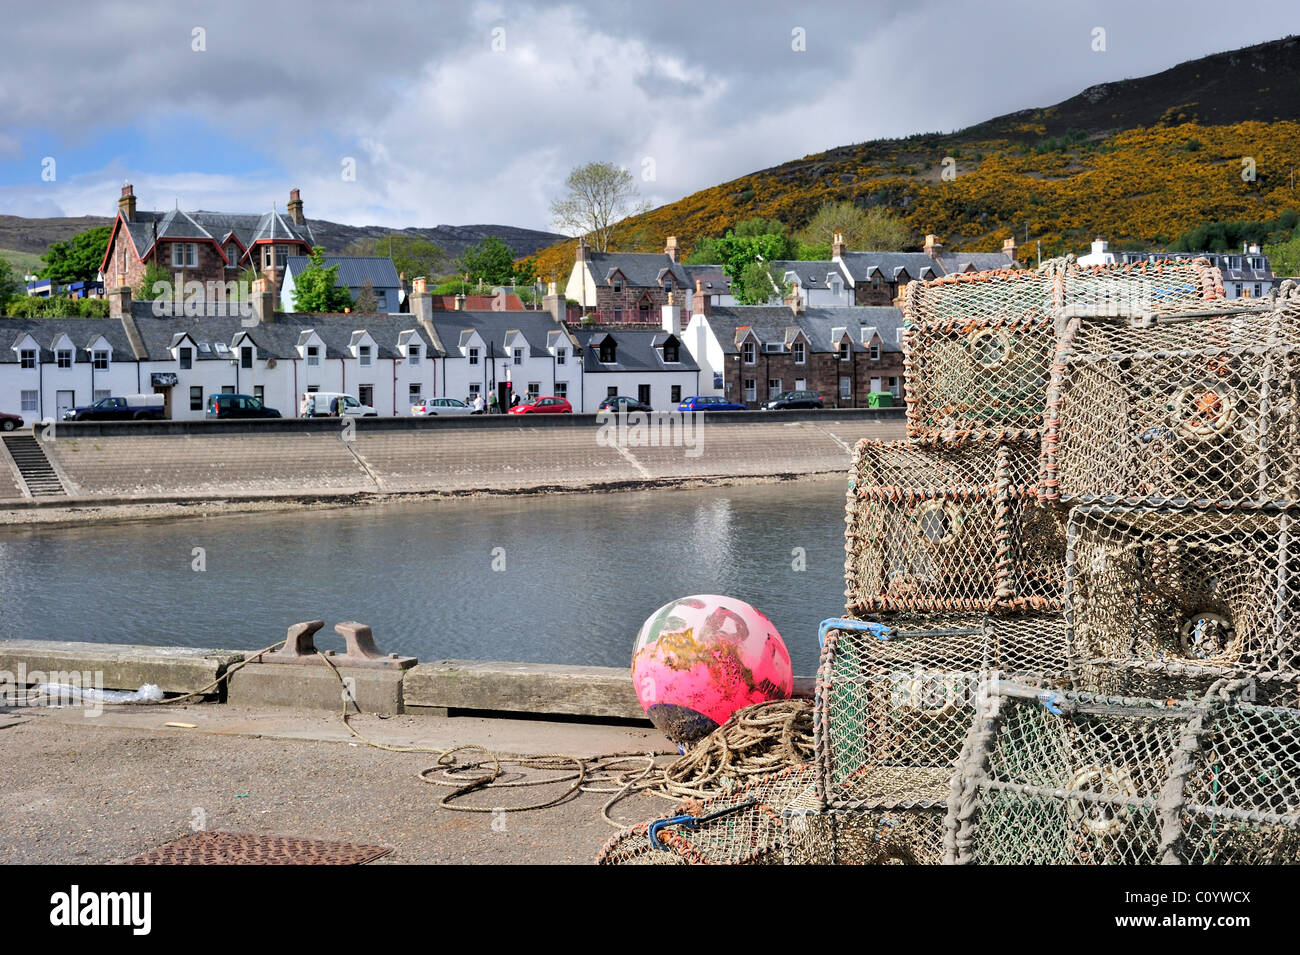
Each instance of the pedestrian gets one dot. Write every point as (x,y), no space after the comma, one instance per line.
(479,404)
(514,399)
(336,407)
(308,409)
(492,403)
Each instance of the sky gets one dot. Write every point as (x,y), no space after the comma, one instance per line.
(421,113)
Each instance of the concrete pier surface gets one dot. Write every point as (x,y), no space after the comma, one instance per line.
(99,790)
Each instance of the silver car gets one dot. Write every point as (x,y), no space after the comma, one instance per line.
(442,406)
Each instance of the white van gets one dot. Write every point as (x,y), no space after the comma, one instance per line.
(317,404)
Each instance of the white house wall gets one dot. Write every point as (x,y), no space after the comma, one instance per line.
(596,385)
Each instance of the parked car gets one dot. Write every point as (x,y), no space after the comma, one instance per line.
(621,404)
(9,421)
(539,405)
(317,405)
(793,399)
(120,408)
(442,406)
(238,406)
(709,403)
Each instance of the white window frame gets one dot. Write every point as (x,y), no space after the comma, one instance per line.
(412,354)
(773,387)
(800,353)
(747,352)
(518,354)
(363,356)
(562,389)
(846,351)
(751,389)
(846,386)
(27,358)
(875,351)
(561,356)
(185,255)
(30,400)
(473,356)
(534,389)
(313,355)
(99,358)
(63,358)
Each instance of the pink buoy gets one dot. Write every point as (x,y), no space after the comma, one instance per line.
(699,659)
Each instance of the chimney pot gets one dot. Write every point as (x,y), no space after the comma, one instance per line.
(126,204)
(700,304)
(670,247)
(294,207)
(837,245)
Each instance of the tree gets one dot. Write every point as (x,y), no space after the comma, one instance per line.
(758,283)
(1284,257)
(744,254)
(10,285)
(78,259)
(153,274)
(863,229)
(599,195)
(367,302)
(412,255)
(526,271)
(316,288)
(490,261)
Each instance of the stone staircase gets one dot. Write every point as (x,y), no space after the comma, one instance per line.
(33,466)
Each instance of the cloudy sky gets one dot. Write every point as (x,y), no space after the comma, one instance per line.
(474,112)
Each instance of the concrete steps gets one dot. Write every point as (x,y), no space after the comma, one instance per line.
(34,466)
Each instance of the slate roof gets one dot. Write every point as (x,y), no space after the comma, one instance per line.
(715,280)
(635,350)
(494,327)
(46,331)
(812,275)
(777,323)
(959,262)
(246,228)
(353,269)
(640,269)
(861,265)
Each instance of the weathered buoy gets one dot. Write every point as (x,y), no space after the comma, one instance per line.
(699,659)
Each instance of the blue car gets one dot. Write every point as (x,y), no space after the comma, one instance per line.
(709,403)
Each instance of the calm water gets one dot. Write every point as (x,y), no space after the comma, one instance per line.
(581,573)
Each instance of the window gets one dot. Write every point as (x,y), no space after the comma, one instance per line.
(1258,288)
(413,354)
(29,400)
(473,356)
(232,253)
(102,393)
(846,387)
(64,357)
(747,353)
(312,389)
(534,389)
(773,387)
(381,301)
(186,357)
(835,289)
(607,355)
(894,388)
(611,391)
(672,352)
(313,355)
(519,356)
(618,285)
(185,255)
(196,398)
(668,285)
(875,351)
(801,384)
(676,394)
(561,355)
(751,390)
(363,356)
(366,394)
(246,356)
(618,315)
(799,353)
(643,394)
(27,358)
(259,392)
(99,359)
(844,351)
(474,389)
(414,393)
(875,283)
(281,256)
(561,389)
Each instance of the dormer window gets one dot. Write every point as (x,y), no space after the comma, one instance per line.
(561,356)
(519,356)
(668,284)
(246,356)
(27,358)
(672,352)
(800,353)
(185,357)
(413,354)
(363,355)
(607,356)
(835,288)
(99,359)
(473,356)
(185,255)
(747,353)
(232,253)
(617,284)
(875,282)
(844,351)
(875,351)
(63,357)
(313,355)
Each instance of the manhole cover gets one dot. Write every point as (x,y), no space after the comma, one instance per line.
(234,848)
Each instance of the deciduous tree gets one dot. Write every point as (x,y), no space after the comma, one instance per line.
(599,195)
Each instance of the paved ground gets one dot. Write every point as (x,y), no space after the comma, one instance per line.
(100,790)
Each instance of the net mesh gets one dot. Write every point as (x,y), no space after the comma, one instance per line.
(979,347)
(904,827)
(1156,592)
(950,524)
(1107,780)
(1203,409)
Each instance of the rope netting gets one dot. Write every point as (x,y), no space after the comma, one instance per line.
(1177,408)
(1078,778)
(944,524)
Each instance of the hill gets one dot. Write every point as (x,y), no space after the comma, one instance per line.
(36,235)
(1137,161)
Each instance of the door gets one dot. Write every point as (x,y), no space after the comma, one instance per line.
(166,392)
(643,394)
(65,401)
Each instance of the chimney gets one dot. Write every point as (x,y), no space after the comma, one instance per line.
(700,304)
(555,303)
(126,204)
(794,300)
(119,301)
(933,247)
(421,300)
(263,301)
(1009,248)
(672,317)
(460,301)
(837,246)
(295,207)
(584,253)
(670,247)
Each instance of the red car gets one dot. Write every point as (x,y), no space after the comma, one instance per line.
(541,405)
(9,421)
